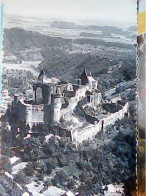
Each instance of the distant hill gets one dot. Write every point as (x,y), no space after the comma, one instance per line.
(85,34)
(63,25)
(106,30)
(61,58)
(19,39)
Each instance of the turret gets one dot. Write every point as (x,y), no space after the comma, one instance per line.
(46,93)
(56,104)
(96,99)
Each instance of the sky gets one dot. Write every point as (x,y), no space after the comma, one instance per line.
(111,10)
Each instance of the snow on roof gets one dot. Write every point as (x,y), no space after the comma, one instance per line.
(13,159)
(18,167)
(47,137)
(28,136)
(118,186)
(54,191)
(69,193)
(25,194)
(112,187)
(35,188)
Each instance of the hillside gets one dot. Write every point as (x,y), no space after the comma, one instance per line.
(66,58)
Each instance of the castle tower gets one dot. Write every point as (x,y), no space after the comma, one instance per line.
(84,78)
(46,93)
(56,104)
(79,82)
(97,97)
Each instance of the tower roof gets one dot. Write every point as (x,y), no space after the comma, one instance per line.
(84,77)
(41,75)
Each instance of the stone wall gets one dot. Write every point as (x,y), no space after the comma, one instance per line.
(89,132)
(70,94)
(81,92)
(88,117)
(64,132)
(32,114)
(56,104)
(37,115)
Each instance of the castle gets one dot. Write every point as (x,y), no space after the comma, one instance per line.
(53,102)
(50,98)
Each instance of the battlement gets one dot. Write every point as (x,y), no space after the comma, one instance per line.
(32,114)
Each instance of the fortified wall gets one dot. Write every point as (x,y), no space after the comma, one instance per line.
(32,114)
(49,99)
(89,132)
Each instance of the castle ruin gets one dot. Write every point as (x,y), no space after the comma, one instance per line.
(54,102)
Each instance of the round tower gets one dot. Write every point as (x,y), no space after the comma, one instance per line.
(46,93)
(56,104)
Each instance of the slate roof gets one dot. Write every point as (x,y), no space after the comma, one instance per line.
(84,77)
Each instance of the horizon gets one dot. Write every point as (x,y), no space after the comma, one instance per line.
(76,21)
(73,10)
